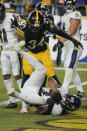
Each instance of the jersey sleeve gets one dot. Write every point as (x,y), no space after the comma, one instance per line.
(20,32)
(48,24)
(76,15)
(21,27)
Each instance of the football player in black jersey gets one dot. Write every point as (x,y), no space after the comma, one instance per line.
(42,7)
(33,31)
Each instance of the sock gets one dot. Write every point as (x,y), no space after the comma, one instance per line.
(67,80)
(24,105)
(77,81)
(19,82)
(8,85)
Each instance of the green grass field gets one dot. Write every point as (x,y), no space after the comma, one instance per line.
(12,120)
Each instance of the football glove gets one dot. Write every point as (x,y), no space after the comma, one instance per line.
(15,20)
(54,47)
(59,44)
(77,44)
(14,23)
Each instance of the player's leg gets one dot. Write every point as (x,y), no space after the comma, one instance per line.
(69,62)
(27,71)
(76,78)
(6,72)
(15,63)
(48,63)
(32,85)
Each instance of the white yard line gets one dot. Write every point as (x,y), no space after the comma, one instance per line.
(83,83)
(79,69)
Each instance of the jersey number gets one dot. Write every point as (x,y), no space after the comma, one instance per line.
(3,35)
(33,43)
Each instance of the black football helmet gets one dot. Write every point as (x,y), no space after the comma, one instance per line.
(35,21)
(2,13)
(42,7)
(73,4)
(72,102)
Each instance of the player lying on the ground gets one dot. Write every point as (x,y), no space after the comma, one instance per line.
(52,103)
(56,106)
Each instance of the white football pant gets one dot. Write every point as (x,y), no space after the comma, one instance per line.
(29,92)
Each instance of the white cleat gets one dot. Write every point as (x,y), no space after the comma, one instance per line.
(11,91)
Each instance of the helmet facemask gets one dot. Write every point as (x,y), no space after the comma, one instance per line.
(70,5)
(72,102)
(42,7)
(36,21)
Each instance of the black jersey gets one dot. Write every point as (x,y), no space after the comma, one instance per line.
(35,41)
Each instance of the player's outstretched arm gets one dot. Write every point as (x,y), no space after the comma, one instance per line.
(60,32)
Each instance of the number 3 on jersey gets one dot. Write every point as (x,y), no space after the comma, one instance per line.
(3,36)
(33,43)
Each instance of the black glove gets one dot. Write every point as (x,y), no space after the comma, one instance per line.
(54,36)
(77,44)
(54,47)
(14,23)
(15,20)
(60,44)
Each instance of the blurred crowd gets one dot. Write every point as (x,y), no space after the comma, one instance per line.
(55,6)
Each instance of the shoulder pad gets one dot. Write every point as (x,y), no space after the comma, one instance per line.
(76,15)
(50,17)
(47,20)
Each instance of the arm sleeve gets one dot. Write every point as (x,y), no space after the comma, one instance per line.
(60,32)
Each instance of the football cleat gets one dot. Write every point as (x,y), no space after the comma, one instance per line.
(11,106)
(81,95)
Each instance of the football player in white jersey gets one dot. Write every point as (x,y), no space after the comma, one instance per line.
(72,22)
(49,102)
(9,59)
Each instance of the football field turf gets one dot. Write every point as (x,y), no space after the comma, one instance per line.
(12,120)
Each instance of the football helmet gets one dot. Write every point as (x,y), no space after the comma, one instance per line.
(2,13)
(70,5)
(35,21)
(72,102)
(42,7)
